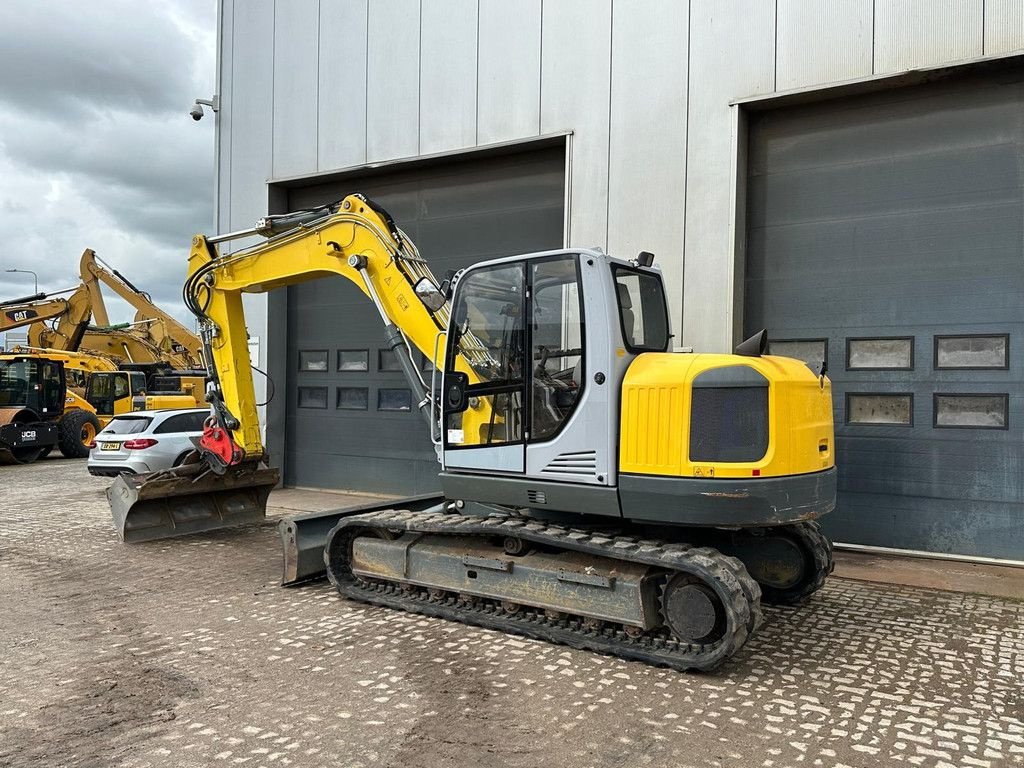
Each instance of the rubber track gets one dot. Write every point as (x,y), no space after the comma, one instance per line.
(811,540)
(739,592)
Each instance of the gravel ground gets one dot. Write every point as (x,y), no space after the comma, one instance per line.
(187,653)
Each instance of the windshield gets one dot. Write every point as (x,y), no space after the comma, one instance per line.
(127,425)
(14,378)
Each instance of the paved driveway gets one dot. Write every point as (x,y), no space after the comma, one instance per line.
(187,653)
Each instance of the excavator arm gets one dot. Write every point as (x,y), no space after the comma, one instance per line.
(355,240)
(70,318)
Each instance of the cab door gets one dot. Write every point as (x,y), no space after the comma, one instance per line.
(484,385)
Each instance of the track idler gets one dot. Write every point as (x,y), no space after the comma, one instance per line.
(189,499)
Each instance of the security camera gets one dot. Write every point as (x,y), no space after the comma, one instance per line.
(197,109)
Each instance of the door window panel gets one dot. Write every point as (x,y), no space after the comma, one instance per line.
(974,351)
(353,360)
(557,354)
(488,343)
(312,359)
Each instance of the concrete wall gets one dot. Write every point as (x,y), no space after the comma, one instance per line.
(310,86)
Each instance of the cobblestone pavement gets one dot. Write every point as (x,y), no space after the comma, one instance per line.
(187,653)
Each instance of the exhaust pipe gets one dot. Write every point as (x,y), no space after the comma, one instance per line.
(189,499)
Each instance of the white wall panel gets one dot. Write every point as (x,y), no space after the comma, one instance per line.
(296,38)
(448,75)
(732,55)
(1004,26)
(647,156)
(225,21)
(822,42)
(575,88)
(341,133)
(508,70)
(392,80)
(920,33)
(251,108)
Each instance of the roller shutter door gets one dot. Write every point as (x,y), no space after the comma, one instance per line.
(350,421)
(889,228)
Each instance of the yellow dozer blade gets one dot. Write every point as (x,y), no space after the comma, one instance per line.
(189,499)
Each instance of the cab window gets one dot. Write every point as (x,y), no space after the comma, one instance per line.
(488,343)
(557,342)
(642,309)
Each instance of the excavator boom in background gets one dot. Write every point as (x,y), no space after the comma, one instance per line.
(599,490)
(176,343)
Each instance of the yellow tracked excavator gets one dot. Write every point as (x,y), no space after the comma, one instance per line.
(600,491)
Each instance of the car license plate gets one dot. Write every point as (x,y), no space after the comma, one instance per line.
(110,446)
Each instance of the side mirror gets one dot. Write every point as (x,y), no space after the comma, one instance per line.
(455,400)
(429,294)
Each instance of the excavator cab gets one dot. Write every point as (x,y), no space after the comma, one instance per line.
(112,393)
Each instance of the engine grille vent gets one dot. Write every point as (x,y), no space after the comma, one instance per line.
(536,497)
(582,463)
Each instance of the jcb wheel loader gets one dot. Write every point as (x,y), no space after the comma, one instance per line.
(600,490)
(38,413)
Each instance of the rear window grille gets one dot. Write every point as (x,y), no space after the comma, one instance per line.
(729,424)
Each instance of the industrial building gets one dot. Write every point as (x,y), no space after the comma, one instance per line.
(848,175)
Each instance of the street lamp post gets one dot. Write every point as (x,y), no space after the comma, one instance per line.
(35,277)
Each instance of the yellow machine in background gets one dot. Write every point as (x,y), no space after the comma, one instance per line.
(93,389)
(175,344)
(80,322)
(600,490)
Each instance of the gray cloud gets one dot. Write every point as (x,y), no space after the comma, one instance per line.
(96,146)
(64,60)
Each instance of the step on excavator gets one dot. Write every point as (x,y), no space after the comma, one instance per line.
(600,491)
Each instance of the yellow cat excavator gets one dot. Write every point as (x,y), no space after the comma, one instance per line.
(174,343)
(77,321)
(599,490)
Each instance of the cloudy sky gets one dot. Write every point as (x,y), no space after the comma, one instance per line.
(97,148)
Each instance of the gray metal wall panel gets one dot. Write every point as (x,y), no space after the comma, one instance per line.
(225,125)
(1004,26)
(294,97)
(575,88)
(448,75)
(393,80)
(646,197)
(732,54)
(902,214)
(252,75)
(457,214)
(508,89)
(823,42)
(341,101)
(918,33)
